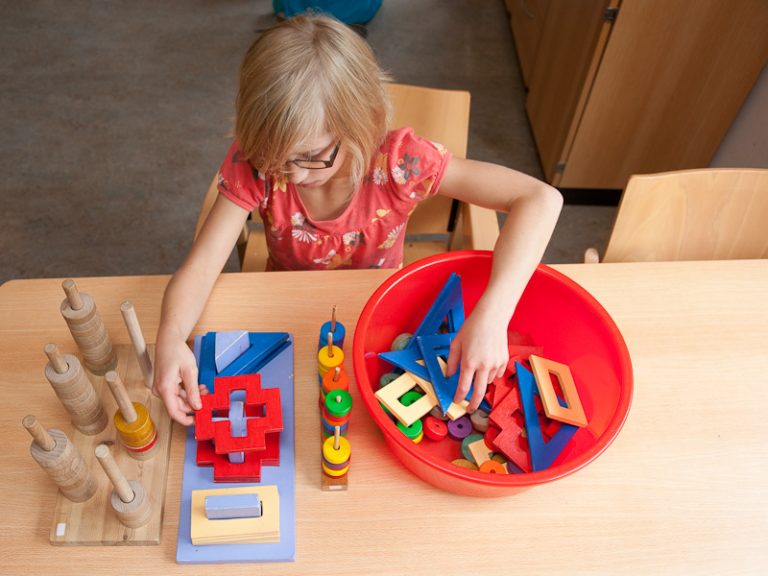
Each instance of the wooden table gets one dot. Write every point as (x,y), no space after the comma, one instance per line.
(683,490)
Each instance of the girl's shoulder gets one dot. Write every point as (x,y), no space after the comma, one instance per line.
(239,181)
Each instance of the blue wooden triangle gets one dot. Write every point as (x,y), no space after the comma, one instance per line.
(431,347)
(406,360)
(542,453)
(448,304)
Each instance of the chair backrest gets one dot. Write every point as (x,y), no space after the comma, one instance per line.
(707,214)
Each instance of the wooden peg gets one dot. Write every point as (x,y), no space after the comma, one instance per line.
(129,500)
(139,345)
(336,434)
(336,373)
(333,319)
(40,434)
(73,294)
(118,390)
(330,344)
(56,358)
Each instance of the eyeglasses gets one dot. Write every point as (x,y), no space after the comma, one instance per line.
(317,164)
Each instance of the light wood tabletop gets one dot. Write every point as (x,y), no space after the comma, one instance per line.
(682,490)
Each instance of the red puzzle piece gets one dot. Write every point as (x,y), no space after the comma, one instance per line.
(263,403)
(249,470)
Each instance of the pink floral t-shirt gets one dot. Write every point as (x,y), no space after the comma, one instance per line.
(370,233)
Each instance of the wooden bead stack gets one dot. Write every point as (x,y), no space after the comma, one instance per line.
(88,330)
(334,389)
(129,500)
(55,454)
(134,426)
(75,391)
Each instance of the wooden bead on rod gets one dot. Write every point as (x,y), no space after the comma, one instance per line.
(61,461)
(73,294)
(333,319)
(139,344)
(115,475)
(75,391)
(129,499)
(38,433)
(118,390)
(330,344)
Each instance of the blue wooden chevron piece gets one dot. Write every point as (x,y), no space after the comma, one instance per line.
(542,453)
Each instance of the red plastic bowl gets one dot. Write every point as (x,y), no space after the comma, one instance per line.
(554,311)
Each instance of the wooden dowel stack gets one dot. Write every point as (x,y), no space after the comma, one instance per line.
(87,328)
(56,454)
(129,500)
(75,391)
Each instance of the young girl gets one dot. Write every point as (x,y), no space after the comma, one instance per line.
(335,188)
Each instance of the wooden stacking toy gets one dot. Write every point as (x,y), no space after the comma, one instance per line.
(75,391)
(134,426)
(88,330)
(56,454)
(129,500)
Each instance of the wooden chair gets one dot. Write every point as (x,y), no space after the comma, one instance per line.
(707,214)
(440,115)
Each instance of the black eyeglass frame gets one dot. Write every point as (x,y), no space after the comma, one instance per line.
(303,164)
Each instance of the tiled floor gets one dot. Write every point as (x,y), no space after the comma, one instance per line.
(116,115)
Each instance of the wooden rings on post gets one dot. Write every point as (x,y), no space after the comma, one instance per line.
(135,513)
(75,391)
(138,437)
(55,454)
(88,329)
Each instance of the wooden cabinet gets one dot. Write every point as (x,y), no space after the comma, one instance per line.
(622,87)
(527,20)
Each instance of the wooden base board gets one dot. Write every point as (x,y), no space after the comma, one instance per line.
(93,523)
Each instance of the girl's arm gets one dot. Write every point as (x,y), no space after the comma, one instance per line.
(532,209)
(185,297)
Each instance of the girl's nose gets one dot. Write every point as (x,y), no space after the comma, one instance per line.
(297,175)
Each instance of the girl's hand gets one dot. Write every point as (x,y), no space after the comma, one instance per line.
(176,380)
(481,348)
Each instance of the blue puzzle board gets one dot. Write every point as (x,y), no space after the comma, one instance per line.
(277,373)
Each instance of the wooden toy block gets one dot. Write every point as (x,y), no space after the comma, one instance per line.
(391,394)
(93,522)
(137,338)
(512,444)
(573,412)
(479,451)
(543,454)
(431,347)
(249,470)
(226,506)
(228,346)
(264,404)
(261,529)
(263,347)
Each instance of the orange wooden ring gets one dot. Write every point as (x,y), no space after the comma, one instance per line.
(492,467)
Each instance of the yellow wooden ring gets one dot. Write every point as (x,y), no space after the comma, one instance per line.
(142,420)
(334,473)
(418,438)
(336,456)
(325,362)
(138,433)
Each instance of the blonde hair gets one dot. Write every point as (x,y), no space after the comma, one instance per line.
(304,70)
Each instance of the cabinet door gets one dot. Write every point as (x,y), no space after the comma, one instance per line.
(527,20)
(672,79)
(571,44)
